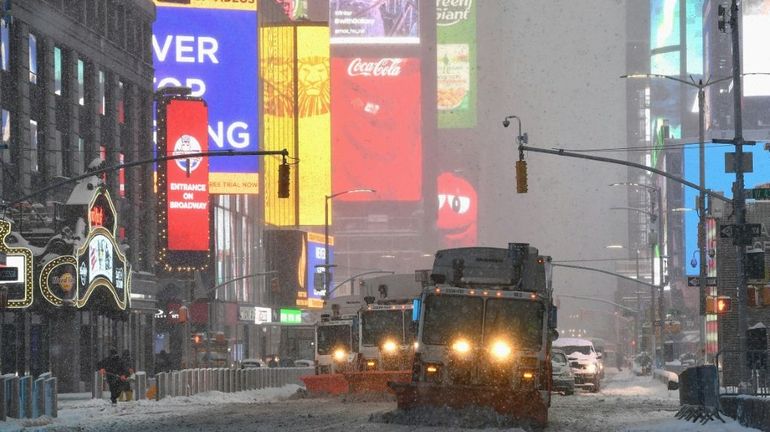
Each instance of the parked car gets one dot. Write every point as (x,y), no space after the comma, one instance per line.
(563,378)
(583,360)
(252,363)
(304,363)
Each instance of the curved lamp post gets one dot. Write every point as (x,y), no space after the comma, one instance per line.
(326,264)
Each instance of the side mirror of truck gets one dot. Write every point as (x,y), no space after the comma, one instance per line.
(552,318)
(416,304)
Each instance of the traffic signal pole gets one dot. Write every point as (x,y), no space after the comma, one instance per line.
(739,200)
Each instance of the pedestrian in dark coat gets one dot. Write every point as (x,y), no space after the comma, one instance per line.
(115,372)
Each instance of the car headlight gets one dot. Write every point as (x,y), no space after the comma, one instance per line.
(461,346)
(591,368)
(500,350)
(389,347)
(340,355)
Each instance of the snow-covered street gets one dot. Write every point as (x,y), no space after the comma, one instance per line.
(626,403)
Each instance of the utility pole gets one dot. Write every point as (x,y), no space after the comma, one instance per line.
(739,200)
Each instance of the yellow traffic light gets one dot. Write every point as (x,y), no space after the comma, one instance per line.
(283,180)
(521,176)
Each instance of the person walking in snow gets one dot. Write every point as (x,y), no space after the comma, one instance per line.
(115,372)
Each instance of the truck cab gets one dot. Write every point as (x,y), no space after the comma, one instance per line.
(486,322)
(336,336)
(387,336)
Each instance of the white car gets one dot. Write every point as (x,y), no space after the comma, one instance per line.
(252,363)
(583,360)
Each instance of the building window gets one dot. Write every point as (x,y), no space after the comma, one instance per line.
(4,45)
(32,59)
(80,157)
(101,95)
(57,71)
(6,145)
(33,153)
(81,82)
(121,103)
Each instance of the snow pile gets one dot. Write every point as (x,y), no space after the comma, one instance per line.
(98,414)
(470,417)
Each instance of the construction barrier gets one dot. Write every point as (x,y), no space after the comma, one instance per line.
(25,397)
(188,382)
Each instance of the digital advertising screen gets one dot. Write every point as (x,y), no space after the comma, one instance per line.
(297,76)
(211,47)
(716,180)
(456,63)
(376,128)
(457,211)
(755,34)
(374,21)
(316,253)
(187,185)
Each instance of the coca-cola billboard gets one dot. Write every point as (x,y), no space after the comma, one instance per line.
(383,67)
(374,21)
(376,128)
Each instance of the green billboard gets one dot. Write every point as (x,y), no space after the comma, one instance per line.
(456,63)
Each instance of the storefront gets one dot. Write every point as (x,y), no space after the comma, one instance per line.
(71,301)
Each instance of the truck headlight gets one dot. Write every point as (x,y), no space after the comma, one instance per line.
(500,350)
(461,346)
(340,355)
(591,368)
(389,347)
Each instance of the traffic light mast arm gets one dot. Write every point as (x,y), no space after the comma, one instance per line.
(562,152)
(222,153)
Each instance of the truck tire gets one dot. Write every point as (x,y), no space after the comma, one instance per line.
(596,387)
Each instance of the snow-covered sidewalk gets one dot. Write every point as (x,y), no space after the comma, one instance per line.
(76,412)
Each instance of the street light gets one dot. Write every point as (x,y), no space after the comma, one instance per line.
(326,234)
(659,242)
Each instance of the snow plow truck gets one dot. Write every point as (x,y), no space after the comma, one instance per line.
(363,342)
(486,321)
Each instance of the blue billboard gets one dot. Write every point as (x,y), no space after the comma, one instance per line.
(214,52)
(316,253)
(716,180)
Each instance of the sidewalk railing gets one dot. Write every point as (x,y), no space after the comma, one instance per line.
(25,397)
(188,382)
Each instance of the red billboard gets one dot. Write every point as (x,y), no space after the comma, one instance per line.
(376,128)
(187,181)
(457,211)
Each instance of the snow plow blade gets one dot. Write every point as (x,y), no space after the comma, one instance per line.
(525,405)
(354,382)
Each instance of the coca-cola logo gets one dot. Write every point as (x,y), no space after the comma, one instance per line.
(450,12)
(386,67)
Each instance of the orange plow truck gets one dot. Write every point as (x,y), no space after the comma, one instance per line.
(485,327)
(362,352)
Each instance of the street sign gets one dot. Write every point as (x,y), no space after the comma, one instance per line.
(694,281)
(730,231)
(757,194)
(748,162)
(9,273)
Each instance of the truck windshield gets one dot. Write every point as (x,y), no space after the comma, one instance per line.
(572,349)
(378,325)
(331,337)
(519,320)
(449,317)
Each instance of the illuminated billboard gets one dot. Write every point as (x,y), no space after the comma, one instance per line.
(187,194)
(457,211)
(376,128)
(456,63)
(297,118)
(316,254)
(756,32)
(716,180)
(213,50)
(374,21)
